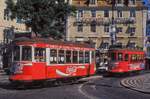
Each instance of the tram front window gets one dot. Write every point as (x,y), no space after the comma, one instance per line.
(16,53)
(26,53)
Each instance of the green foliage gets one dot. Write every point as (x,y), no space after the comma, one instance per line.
(45,17)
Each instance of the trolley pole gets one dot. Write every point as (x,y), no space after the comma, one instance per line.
(113,25)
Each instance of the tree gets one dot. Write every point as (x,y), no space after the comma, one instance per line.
(45,17)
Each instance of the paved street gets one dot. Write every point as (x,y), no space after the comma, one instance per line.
(94,87)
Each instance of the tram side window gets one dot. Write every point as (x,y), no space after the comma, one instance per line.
(68,56)
(75,56)
(81,57)
(26,53)
(120,56)
(61,57)
(113,56)
(126,57)
(53,56)
(93,56)
(139,57)
(40,54)
(142,57)
(16,53)
(87,57)
(133,57)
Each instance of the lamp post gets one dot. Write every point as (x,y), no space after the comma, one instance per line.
(113,25)
(113,29)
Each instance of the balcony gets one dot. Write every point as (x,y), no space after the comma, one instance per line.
(104,21)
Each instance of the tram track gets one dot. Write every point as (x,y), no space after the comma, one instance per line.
(92,86)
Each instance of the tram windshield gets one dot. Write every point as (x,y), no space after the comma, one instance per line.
(16,53)
(26,53)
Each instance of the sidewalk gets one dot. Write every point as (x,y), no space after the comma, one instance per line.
(139,83)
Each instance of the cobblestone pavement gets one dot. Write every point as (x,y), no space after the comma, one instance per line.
(139,83)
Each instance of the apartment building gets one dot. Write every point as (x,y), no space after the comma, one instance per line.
(92,22)
(6,23)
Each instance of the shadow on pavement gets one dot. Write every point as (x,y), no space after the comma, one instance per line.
(12,86)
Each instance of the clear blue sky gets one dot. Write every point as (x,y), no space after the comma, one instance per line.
(146,1)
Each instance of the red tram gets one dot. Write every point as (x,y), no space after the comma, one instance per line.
(40,59)
(125,60)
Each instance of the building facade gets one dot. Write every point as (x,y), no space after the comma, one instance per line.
(92,22)
(6,23)
(147,44)
(8,29)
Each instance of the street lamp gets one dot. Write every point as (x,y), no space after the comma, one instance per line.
(113,24)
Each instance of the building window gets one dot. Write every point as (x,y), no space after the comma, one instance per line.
(106,28)
(93,26)
(132,2)
(80,27)
(79,14)
(93,13)
(104,45)
(119,13)
(132,13)
(6,15)
(131,44)
(119,1)
(92,1)
(106,13)
(132,30)
(18,20)
(119,29)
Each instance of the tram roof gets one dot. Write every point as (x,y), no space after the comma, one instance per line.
(125,49)
(53,42)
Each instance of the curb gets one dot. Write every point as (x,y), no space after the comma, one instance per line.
(134,86)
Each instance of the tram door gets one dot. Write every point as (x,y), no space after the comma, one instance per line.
(39,67)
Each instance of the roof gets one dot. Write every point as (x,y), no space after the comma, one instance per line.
(52,42)
(127,49)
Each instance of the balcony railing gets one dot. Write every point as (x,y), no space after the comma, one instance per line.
(104,21)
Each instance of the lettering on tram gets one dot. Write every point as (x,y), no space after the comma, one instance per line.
(39,59)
